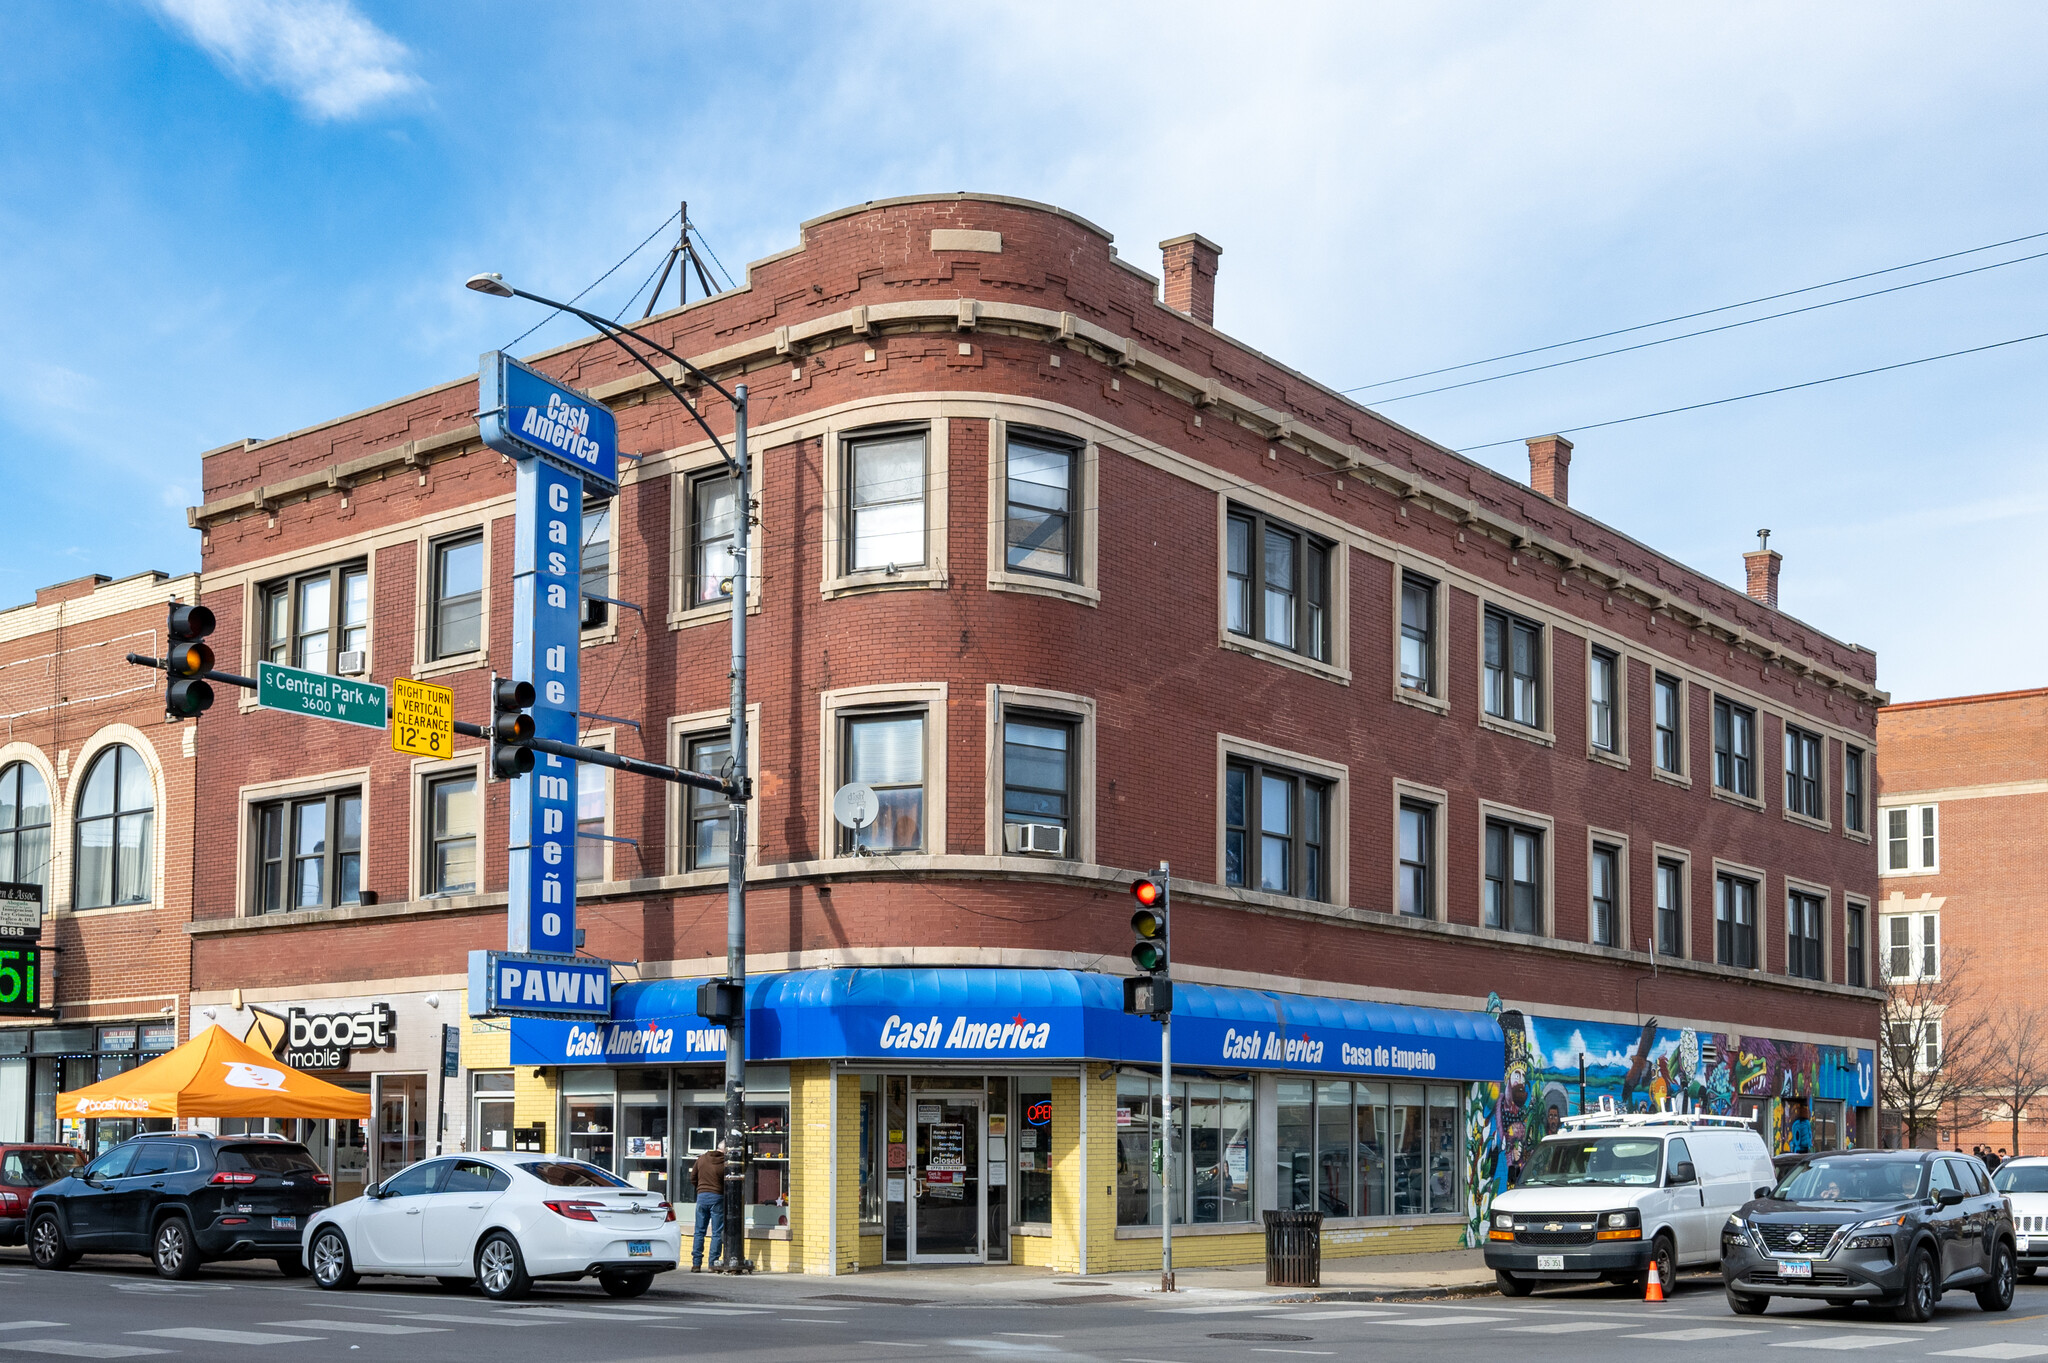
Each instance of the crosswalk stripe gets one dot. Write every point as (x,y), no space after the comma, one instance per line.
(1566,1327)
(78,1348)
(2001,1351)
(358,1327)
(706,1310)
(1426,1321)
(547,1313)
(1842,1342)
(455,1319)
(1346,1314)
(32,1325)
(200,1334)
(1695,1336)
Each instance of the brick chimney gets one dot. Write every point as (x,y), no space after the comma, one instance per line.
(1762,564)
(1550,466)
(1191,276)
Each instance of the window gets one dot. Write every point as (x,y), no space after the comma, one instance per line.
(707,837)
(713,526)
(24,827)
(1276,831)
(1912,944)
(1604,873)
(309,852)
(310,620)
(1916,1045)
(1514,877)
(1670,750)
(116,820)
(592,788)
(1852,789)
(1279,585)
(1735,748)
(1040,506)
(1038,777)
(1671,908)
(1418,860)
(1855,947)
(1212,1141)
(1514,655)
(451,834)
(1603,700)
(886,753)
(1735,921)
(1909,839)
(885,508)
(1803,916)
(597,560)
(1802,774)
(1369,1149)
(1418,634)
(455,609)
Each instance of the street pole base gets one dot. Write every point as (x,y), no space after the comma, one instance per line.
(1166,1281)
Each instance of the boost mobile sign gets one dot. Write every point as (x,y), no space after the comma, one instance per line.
(563,444)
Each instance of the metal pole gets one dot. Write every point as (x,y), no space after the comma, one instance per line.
(736,859)
(1166,1090)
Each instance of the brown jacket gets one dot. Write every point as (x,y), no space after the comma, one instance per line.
(708,1173)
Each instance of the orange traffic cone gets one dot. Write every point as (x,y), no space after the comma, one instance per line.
(1655,1290)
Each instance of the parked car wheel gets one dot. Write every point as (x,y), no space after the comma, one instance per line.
(1746,1304)
(291,1265)
(501,1269)
(1664,1254)
(332,1268)
(625,1284)
(172,1248)
(46,1245)
(1510,1285)
(1996,1295)
(1916,1303)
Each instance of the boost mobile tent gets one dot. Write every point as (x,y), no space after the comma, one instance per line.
(214,1075)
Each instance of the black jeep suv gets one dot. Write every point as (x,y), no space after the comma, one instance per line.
(1898,1227)
(182,1199)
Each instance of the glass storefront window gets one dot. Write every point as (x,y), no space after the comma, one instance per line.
(1137,1152)
(590,1098)
(400,1105)
(767,1182)
(490,1126)
(1372,1149)
(643,1129)
(1212,1148)
(1407,1112)
(1296,1146)
(895,1168)
(1369,1149)
(870,1149)
(1446,1148)
(1033,1126)
(1333,1149)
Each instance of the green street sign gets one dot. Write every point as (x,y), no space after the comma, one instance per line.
(299,692)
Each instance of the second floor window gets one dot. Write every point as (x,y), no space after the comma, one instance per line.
(451,834)
(1852,789)
(309,852)
(1802,774)
(591,791)
(1735,921)
(455,611)
(712,530)
(1276,831)
(1514,660)
(1855,949)
(886,752)
(1040,507)
(707,841)
(1605,874)
(1912,946)
(1735,748)
(1038,781)
(1418,634)
(1514,877)
(1916,1045)
(114,831)
(24,827)
(885,502)
(1803,916)
(597,562)
(1670,751)
(310,620)
(1279,585)
(1603,700)
(1671,908)
(1418,860)
(1910,841)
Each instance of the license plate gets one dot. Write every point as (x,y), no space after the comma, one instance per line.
(640,1247)
(1795,1268)
(2024,1243)
(1550,1263)
(284,1223)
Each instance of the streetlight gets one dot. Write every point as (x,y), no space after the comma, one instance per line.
(738,788)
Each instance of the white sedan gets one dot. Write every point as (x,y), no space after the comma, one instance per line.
(502,1221)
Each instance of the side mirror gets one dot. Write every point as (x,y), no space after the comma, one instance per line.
(1947,1197)
(1763,1194)
(374,1191)
(1682,1172)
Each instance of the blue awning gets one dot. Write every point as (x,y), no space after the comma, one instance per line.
(924,1014)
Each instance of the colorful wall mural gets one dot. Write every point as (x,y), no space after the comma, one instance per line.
(1801,1095)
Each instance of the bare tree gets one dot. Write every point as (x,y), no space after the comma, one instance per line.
(1934,1040)
(2015,1060)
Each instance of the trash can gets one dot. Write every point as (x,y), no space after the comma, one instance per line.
(1294,1249)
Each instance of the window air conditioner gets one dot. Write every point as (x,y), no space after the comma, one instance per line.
(1037,839)
(353,662)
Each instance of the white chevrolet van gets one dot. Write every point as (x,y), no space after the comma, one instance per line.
(1612,1192)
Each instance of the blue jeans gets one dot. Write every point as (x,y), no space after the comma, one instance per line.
(710,1211)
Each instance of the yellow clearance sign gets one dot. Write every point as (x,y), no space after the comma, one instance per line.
(422,718)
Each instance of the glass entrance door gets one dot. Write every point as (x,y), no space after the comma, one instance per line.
(947,1191)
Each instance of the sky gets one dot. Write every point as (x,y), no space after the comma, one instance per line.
(232,218)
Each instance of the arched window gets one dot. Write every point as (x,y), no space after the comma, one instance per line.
(24,826)
(115,821)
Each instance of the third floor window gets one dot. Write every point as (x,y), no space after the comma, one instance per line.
(310,620)
(1418,634)
(309,852)
(1670,748)
(885,504)
(455,612)
(1603,700)
(1514,668)
(1803,774)
(1039,506)
(1279,585)
(1910,839)
(1735,748)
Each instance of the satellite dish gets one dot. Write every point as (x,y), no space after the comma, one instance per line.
(854,805)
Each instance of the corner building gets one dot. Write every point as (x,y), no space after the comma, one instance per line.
(1076,584)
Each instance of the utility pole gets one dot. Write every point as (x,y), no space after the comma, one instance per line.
(1151,995)
(736,858)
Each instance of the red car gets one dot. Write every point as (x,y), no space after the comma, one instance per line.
(23,1169)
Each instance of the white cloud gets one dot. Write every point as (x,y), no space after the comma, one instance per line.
(323,53)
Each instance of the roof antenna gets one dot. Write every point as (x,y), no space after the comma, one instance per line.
(686,254)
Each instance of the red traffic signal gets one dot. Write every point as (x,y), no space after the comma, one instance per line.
(1148,925)
(1147,892)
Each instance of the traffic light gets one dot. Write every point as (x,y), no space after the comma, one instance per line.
(511,728)
(1150,994)
(186,656)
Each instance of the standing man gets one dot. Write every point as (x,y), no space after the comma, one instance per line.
(707,1176)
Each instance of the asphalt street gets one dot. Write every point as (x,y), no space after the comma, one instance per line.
(110,1308)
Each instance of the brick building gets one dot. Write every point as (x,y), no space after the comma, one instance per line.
(1077,584)
(96,811)
(1962,818)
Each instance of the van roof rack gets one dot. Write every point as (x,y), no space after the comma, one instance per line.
(1600,1121)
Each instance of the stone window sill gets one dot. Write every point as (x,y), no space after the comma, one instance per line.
(1027,585)
(1422,700)
(1739,801)
(1300,662)
(1541,737)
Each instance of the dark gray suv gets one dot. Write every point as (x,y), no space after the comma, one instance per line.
(1896,1227)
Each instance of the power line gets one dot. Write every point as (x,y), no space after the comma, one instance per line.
(1708,331)
(595,282)
(1689,316)
(1767,392)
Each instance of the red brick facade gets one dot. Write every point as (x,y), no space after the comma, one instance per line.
(881,316)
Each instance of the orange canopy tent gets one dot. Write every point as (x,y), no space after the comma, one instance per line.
(214,1075)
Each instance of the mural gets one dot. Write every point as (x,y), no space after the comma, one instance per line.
(1557,1067)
